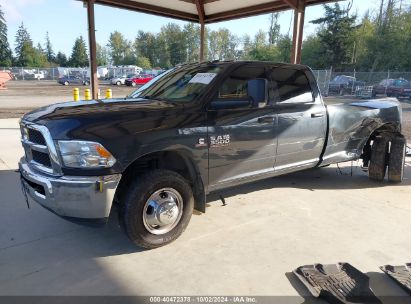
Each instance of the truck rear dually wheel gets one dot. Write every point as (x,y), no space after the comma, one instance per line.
(396,160)
(378,161)
(157,208)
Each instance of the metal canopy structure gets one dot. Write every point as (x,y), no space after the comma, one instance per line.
(203,12)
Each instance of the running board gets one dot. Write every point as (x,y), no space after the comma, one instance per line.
(336,283)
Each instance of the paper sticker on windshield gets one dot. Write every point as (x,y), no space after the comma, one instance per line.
(204,78)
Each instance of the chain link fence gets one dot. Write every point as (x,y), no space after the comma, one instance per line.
(54,73)
(325,78)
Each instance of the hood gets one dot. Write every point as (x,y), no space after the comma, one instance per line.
(76,119)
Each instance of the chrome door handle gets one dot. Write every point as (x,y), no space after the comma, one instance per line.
(316,115)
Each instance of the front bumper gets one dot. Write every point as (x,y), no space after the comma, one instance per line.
(86,198)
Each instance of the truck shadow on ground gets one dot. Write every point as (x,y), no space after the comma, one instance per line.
(109,240)
(328,178)
(42,226)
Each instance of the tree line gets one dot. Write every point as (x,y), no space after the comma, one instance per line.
(343,40)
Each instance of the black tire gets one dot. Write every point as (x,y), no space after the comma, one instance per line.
(132,207)
(396,160)
(378,161)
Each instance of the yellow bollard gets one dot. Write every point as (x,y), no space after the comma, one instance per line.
(109,94)
(76,94)
(87,94)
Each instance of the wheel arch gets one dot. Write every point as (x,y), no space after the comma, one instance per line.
(178,160)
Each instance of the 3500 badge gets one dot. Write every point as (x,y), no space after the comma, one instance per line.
(215,141)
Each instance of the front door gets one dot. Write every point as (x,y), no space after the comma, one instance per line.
(241,128)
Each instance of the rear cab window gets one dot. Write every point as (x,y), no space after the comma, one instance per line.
(290,86)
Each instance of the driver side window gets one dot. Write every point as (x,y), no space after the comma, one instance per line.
(233,89)
(245,84)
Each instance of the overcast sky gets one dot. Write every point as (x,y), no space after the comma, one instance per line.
(66,19)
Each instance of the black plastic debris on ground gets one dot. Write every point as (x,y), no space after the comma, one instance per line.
(337,283)
(400,274)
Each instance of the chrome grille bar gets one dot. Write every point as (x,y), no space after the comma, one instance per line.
(49,149)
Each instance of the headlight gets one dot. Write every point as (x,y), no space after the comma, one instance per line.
(85,154)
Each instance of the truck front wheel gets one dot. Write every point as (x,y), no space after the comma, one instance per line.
(157,208)
(378,161)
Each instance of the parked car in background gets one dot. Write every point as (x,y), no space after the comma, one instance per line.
(343,84)
(66,80)
(139,80)
(38,75)
(122,79)
(382,87)
(400,88)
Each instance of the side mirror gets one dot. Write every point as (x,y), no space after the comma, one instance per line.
(257,90)
(257,97)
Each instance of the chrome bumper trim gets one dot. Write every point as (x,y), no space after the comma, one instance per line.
(71,196)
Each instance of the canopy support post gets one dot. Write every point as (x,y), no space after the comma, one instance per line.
(201,20)
(92,47)
(202,41)
(299,16)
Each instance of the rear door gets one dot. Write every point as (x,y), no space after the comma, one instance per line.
(241,128)
(302,119)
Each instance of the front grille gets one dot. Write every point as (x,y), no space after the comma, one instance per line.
(36,137)
(39,148)
(41,158)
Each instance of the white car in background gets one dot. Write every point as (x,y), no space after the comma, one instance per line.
(121,80)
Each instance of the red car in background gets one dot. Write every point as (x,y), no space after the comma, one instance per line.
(139,80)
(400,88)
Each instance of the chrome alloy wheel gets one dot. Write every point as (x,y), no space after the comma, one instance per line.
(162,211)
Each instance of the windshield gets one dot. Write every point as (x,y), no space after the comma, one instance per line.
(179,84)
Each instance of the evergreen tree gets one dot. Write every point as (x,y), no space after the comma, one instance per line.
(49,49)
(274,30)
(102,55)
(79,57)
(5,52)
(176,43)
(247,47)
(337,35)
(312,53)
(120,49)
(284,45)
(191,33)
(61,59)
(24,47)
(152,47)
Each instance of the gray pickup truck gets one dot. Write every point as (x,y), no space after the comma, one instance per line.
(197,128)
